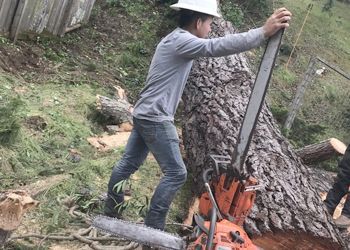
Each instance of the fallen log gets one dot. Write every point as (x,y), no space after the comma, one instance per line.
(118,109)
(322,151)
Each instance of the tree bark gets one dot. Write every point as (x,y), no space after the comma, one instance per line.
(322,151)
(289,209)
(119,110)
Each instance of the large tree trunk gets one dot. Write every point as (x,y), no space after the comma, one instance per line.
(288,213)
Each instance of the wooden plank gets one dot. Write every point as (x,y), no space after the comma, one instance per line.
(18,19)
(67,14)
(7,12)
(38,16)
(88,11)
(56,16)
(79,14)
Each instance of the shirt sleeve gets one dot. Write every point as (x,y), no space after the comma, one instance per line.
(190,46)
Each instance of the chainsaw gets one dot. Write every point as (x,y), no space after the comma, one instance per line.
(230,190)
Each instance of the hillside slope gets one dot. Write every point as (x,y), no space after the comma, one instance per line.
(47,102)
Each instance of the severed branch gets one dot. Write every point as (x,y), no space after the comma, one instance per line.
(321,151)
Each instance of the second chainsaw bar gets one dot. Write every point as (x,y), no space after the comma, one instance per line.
(139,233)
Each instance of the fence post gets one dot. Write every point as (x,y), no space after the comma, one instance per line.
(298,99)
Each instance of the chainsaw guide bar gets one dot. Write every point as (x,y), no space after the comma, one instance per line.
(139,233)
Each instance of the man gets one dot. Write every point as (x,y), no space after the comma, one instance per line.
(154,130)
(339,189)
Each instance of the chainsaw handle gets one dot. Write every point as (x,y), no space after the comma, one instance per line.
(206,174)
(213,218)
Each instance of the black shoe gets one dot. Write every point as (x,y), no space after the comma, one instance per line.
(109,209)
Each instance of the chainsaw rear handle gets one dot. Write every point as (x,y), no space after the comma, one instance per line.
(206,174)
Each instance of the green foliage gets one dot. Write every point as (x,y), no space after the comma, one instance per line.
(10,108)
(113,3)
(288,77)
(328,5)
(232,12)
(120,186)
(331,93)
(324,110)
(138,203)
(248,12)
(302,133)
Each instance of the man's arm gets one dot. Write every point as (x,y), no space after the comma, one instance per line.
(190,46)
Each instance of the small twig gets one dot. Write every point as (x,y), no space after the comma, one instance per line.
(53,237)
(71,211)
(68,238)
(83,239)
(85,231)
(42,241)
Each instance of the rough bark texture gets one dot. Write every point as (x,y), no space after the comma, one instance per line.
(289,207)
(119,110)
(321,151)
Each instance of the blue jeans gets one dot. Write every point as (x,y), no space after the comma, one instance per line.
(162,140)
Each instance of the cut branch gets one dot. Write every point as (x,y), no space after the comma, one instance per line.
(119,110)
(321,151)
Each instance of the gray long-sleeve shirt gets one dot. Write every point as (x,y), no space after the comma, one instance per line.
(171,65)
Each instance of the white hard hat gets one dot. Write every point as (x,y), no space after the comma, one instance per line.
(209,7)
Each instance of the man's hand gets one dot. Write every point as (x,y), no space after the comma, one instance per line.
(278,20)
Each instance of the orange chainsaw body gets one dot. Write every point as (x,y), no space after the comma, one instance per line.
(223,239)
(235,203)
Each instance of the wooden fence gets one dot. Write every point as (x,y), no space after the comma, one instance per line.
(57,17)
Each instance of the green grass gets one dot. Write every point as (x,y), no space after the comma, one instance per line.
(65,100)
(324,35)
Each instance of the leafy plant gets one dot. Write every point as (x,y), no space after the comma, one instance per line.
(9,119)
(113,2)
(232,12)
(328,5)
(140,203)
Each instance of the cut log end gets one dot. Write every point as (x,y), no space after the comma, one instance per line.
(285,240)
(322,151)
(338,146)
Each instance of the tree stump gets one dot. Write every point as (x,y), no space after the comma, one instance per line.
(13,205)
(321,151)
(289,208)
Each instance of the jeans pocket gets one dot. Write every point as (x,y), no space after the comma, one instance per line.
(147,129)
(170,132)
